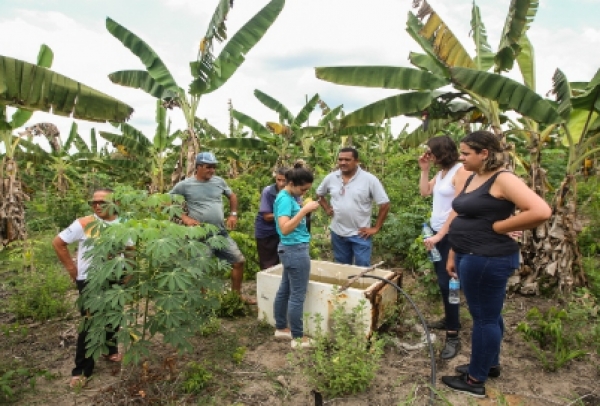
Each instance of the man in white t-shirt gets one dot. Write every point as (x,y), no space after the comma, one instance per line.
(352,192)
(77,232)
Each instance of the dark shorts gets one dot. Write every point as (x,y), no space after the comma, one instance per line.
(267,251)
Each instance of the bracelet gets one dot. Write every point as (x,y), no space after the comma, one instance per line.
(233,213)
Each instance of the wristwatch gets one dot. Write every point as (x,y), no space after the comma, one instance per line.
(233,213)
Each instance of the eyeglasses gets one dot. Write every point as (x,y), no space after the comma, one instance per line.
(100,203)
(210,166)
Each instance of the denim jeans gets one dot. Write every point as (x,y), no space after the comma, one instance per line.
(483,280)
(288,305)
(451,311)
(352,250)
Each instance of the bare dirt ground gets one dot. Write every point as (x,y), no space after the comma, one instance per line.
(265,377)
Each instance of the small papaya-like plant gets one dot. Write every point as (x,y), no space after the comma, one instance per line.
(345,361)
(150,276)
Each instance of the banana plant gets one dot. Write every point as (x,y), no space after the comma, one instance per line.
(289,138)
(30,88)
(208,72)
(551,255)
(446,62)
(142,159)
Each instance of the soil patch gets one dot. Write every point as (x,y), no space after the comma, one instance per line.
(265,377)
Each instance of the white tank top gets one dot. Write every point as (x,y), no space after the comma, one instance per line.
(443,194)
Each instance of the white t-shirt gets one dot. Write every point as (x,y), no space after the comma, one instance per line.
(77,232)
(353,203)
(443,195)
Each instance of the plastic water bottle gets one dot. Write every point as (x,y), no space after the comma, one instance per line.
(433,254)
(454,294)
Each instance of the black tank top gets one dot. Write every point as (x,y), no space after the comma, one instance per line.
(471,230)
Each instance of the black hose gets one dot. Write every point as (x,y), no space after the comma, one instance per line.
(431,354)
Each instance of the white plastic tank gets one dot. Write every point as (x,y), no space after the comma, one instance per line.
(380,297)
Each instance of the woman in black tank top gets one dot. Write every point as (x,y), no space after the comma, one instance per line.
(482,253)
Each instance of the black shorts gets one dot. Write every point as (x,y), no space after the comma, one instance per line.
(267,251)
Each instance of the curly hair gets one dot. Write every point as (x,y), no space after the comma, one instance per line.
(480,140)
(444,150)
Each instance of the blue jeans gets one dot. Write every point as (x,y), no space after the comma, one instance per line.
(483,280)
(451,311)
(351,250)
(288,305)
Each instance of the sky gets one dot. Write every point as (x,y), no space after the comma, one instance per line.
(307,34)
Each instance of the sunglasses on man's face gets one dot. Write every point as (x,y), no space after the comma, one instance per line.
(100,203)
(210,166)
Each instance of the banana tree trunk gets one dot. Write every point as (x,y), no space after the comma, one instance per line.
(12,203)
(550,255)
(187,158)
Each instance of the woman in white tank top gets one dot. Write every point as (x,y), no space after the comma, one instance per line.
(443,153)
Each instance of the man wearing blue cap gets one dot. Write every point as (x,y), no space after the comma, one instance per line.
(203,194)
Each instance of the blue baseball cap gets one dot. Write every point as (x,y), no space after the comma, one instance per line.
(206,158)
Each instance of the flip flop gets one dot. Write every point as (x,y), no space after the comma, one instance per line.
(78,382)
(117,357)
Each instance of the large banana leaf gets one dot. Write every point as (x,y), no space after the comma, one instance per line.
(233,54)
(259,129)
(414,27)
(305,112)
(27,86)
(141,79)
(393,106)
(508,93)
(444,43)
(387,77)
(526,62)
(217,29)
(484,57)
(155,66)
(428,63)
(520,15)
(274,105)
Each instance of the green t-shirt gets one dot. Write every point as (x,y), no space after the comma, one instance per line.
(204,199)
(287,205)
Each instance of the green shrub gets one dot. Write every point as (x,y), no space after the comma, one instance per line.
(197,377)
(344,363)
(41,295)
(231,305)
(552,341)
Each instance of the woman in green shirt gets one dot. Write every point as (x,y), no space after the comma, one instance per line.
(290,220)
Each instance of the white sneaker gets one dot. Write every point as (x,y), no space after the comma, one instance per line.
(283,334)
(299,342)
